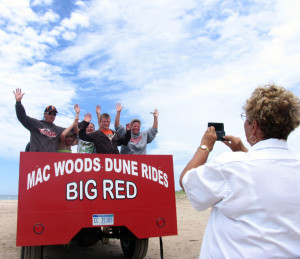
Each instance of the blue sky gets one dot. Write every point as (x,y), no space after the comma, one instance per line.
(195,61)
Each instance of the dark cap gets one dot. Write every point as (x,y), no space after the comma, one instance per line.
(51,108)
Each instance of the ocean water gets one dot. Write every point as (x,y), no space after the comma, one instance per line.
(8,197)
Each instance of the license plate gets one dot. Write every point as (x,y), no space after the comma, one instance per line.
(103,219)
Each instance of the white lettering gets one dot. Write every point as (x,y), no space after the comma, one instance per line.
(131,195)
(160,177)
(69,166)
(144,171)
(88,164)
(108,165)
(93,190)
(119,189)
(72,193)
(59,168)
(81,190)
(154,174)
(107,188)
(46,177)
(97,165)
(166,180)
(117,168)
(30,180)
(134,168)
(39,178)
(117,165)
(126,167)
(78,165)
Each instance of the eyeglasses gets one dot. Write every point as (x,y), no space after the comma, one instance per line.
(52,113)
(243,116)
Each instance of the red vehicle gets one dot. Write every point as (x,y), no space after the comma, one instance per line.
(85,198)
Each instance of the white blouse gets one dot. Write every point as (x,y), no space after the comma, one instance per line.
(255,202)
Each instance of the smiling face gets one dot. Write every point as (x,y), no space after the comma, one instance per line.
(135,128)
(104,123)
(90,128)
(50,117)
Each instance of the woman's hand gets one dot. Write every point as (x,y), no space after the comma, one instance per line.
(128,127)
(209,138)
(87,117)
(77,108)
(234,143)
(155,113)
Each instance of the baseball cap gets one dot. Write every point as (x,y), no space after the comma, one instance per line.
(51,108)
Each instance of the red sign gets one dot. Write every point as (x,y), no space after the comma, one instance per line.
(61,193)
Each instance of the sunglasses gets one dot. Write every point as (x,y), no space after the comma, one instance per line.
(52,113)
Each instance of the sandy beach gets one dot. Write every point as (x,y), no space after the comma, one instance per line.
(191,226)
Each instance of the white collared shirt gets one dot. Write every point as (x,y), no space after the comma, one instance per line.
(255,200)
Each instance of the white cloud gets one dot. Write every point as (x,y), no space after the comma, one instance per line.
(41,2)
(49,17)
(75,20)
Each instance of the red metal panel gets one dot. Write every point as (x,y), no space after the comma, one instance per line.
(136,189)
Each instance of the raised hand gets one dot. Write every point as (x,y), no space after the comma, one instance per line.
(209,138)
(119,107)
(18,94)
(77,108)
(98,109)
(155,113)
(87,117)
(128,127)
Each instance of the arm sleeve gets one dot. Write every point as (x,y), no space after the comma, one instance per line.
(82,132)
(124,140)
(25,120)
(151,133)
(205,186)
(120,130)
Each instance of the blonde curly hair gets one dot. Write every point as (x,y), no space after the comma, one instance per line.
(276,110)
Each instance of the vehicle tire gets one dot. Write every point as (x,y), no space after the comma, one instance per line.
(32,252)
(134,248)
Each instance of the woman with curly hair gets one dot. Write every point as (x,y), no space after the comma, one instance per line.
(254,194)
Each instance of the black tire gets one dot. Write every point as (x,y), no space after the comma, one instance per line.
(32,252)
(134,248)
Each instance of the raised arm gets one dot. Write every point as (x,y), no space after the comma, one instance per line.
(200,157)
(126,138)
(73,125)
(117,119)
(25,120)
(98,112)
(82,132)
(155,120)
(77,110)
(67,130)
